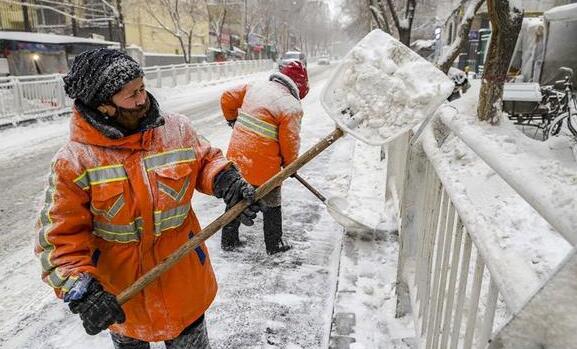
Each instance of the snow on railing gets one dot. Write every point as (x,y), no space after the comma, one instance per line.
(26,96)
(450,275)
(184,74)
(37,96)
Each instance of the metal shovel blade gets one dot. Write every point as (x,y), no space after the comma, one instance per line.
(337,208)
(382,88)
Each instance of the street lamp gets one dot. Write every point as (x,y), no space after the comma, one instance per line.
(35,59)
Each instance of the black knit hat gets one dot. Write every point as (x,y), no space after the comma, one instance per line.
(96,75)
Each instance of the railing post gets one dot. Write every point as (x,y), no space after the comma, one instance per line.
(473,307)
(212,71)
(174,78)
(198,73)
(451,289)
(461,292)
(61,92)
(158,77)
(19,97)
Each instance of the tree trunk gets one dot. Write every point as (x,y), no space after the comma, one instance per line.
(183,47)
(405,36)
(404,27)
(405,33)
(377,9)
(190,34)
(506,27)
(221,26)
(464,27)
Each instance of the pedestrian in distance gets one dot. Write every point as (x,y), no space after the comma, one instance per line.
(266,119)
(118,202)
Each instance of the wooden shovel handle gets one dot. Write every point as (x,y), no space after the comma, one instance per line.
(226,218)
(310,187)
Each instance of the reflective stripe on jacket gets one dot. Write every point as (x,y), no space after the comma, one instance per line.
(116,208)
(266,133)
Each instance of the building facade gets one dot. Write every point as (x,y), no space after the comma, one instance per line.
(141,28)
(473,55)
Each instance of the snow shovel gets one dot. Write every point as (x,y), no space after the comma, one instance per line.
(336,207)
(351,80)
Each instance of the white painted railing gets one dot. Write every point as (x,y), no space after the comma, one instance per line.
(184,74)
(26,96)
(450,278)
(32,97)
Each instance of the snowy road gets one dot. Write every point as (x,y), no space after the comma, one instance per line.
(285,300)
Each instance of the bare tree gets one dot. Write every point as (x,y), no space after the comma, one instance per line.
(403,24)
(379,12)
(458,45)
(92,12)
(217,19)
(183,17)
(506,26)
(258,18)
(86,12)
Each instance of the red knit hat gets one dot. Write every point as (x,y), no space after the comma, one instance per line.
(298,73)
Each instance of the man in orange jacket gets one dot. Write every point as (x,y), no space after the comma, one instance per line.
(266,117)
(119,202)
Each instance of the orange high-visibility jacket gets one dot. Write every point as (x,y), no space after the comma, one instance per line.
(117,208)
(266,133)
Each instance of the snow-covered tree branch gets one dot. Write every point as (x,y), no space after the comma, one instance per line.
(184,15)
(457,46)
(377,8)
(87,13)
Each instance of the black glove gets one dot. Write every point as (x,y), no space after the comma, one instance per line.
(231,123)
(230,186)
(97,308)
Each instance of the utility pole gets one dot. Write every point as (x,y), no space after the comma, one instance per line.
(74,23)
(246,30)
(110,31)
(121,26)
(27,26)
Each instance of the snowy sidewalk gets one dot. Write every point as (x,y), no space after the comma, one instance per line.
(365,302)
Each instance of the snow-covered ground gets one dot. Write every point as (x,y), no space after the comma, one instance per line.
(282,301)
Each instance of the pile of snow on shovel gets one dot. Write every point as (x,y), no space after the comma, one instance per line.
(387,88)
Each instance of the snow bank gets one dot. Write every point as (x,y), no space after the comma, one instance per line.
(382,88)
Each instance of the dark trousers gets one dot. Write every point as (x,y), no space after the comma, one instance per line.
(272,218)
(194,336)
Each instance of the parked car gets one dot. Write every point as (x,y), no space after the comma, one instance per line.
(324,60)
(292,56)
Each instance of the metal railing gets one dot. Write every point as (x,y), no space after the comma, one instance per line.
(32,97)
(24,96)
(184,74)
(450,277)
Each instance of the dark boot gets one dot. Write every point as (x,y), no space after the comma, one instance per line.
(273,231)
(229,237)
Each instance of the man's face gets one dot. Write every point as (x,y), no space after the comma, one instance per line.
(131,104)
